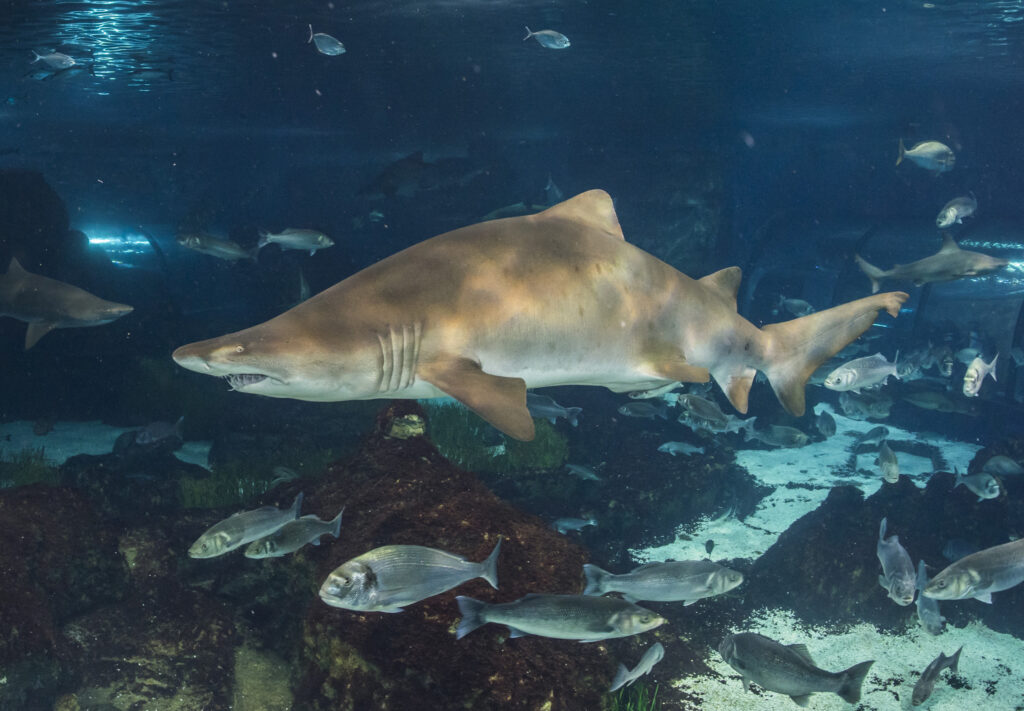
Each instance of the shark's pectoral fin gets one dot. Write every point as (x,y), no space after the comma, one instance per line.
(37,331)
(499,400)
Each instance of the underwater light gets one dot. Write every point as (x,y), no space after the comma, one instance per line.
(120,245)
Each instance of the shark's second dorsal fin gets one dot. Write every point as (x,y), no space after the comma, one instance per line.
(724,282)
(948,243)
(593,208)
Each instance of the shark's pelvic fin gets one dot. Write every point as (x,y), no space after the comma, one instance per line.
(593,209)
(736,385)
(36,331)
(794,349)
(725,283)
(499,400)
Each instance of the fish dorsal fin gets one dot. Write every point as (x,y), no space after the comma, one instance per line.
(724,282)
(593,208)
(800,650)
(948,243)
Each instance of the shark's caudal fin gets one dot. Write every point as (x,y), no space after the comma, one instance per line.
(872,272)
(794,349)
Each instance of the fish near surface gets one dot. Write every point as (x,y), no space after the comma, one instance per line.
(898,576)
(788,668)
(558,298)
(325,44)
(45,304)
(926,684)
(980,574)
(948,264)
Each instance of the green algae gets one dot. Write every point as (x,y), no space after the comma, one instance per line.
(28,466)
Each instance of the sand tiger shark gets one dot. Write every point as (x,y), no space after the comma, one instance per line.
(557,298)
(948,264)
(46,304)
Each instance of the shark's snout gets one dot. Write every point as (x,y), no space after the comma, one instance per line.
(191,357)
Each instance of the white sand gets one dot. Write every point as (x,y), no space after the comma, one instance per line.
(820,465)
(990,662)
(70,438)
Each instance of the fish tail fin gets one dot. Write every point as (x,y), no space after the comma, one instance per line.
(472,615)
(528,34)
(959,479)
(37,56)
(489,568)
(902,149)
(178,428)
(956,660)
(792,350)
(852,680)
(311,39)
(596,579)
(336,523)
(922,576)
(620,679)
(296,506)
(872,272)
(572,414)
(992,367)
(881,529)
(264,239)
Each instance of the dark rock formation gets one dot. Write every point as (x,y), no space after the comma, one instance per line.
(34,217)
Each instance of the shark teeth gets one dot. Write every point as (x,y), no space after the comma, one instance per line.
(237,381)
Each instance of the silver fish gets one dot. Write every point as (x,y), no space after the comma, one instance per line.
(980,574)
(54,60)
(655,392)
(564,525)
(292,238)
(777,436)
(387,578)
(888,463)
(675,448)
(583,472)
(898,576)
(244,527)
(215,246)
(861,373)
(671,581)
(588,619)
(924,686)
(325,44)
(928,614)
(1001,464)
(876,435)
(794,307)
(548,38)
(930,155)
(624,677)
(984,484)
(546,408)
(294,535)
(976,373)
(955,211)
(788,669)
(644,410)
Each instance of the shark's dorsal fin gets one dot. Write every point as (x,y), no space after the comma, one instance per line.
(593,208)
(724,282)
(15,269)
(948,243)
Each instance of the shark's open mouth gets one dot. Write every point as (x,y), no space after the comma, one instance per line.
(237,381)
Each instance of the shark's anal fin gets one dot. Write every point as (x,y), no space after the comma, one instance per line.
(499,400)
(36,331)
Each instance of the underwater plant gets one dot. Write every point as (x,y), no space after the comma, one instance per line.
(637,697)
(28,466)
(464,438)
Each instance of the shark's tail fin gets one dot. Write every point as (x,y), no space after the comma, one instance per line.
(794,349)
(872,272)
(899,158)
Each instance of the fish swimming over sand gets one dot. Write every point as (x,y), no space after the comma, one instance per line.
(825,424)
(926,684)
(624,677)
(980,574)
(558,298)
(588,619)
(777,436)
(672,581)
(788,668)
(930,155)
(888,463)
(390,577)
(948,264)
(898,576)
(45,304)
(244,527)
(675,448)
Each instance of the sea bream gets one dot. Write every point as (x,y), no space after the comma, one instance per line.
(930,155)
(898,576)
(244,527)
(672,581)
(984,484)
(859,373)
(788,668)
(588,619)
(976,373)
(954,211)
(980,574)
(388,578)
(482,313)
(888,463)
(948,264)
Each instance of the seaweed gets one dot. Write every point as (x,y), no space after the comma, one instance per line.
(637,697)
(462,437)
(28,466)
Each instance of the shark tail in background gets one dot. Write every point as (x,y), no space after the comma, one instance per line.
(792,350)
(872,272)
